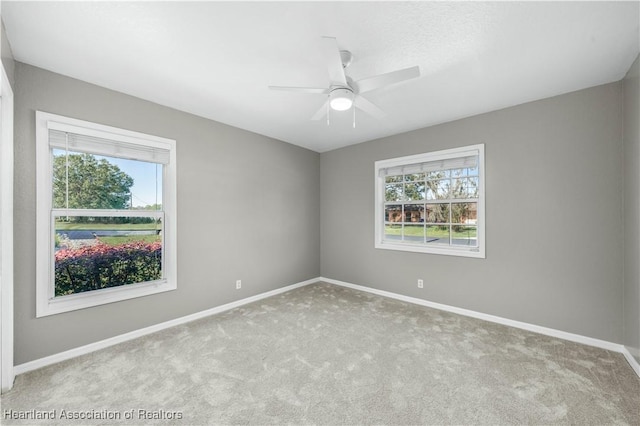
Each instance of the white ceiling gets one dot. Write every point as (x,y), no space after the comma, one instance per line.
(216,59)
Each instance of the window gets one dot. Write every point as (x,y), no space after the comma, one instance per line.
(432,203)
(106,214)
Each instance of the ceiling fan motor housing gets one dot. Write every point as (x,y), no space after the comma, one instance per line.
(345,57)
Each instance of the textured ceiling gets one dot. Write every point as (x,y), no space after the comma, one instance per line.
(216,59)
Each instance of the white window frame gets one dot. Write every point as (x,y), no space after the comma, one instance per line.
(452,250)
(46,303)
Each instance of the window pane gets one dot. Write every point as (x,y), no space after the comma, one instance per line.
(465,188)
(414,233)
(414,191)
(458,172)
(438,213)
(438,234)
(459,188)
(464,235)
(440,174)
(464,172)
(393,192)
(414,177)
(465,213)
(393,179)
(99,182)
(413,213)
(393,213)
(393,232)
(438,189)
(472,187)
(432,189)
(92,253)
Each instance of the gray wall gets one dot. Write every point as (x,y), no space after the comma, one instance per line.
(631,228)
(277,214)
(6,54)
(553,215)
(248,208)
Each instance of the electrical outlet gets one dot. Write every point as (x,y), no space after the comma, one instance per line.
(420,284)
(238,284)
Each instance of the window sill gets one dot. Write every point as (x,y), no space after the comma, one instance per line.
(74,302)
(449,251)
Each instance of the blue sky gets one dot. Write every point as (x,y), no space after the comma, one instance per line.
(144,179)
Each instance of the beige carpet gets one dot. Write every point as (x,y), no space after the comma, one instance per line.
(323,354)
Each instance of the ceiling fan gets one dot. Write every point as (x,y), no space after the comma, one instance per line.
(343,93)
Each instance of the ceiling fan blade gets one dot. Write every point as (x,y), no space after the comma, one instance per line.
(321,112)
(369,108)
(318,90)
(334,62)
(381,80)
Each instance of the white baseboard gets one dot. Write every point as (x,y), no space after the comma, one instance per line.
(82,350)
(590,341)
(631,360)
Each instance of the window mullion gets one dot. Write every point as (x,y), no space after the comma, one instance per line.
(51,285)
(66,183)
(108,213)
(450,222)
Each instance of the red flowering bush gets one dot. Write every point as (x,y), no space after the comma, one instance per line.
(103,266)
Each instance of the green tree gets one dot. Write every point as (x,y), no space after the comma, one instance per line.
(92,183)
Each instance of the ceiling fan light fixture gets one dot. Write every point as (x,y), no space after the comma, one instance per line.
(341,99)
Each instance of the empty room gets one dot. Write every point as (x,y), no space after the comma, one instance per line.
(378,212)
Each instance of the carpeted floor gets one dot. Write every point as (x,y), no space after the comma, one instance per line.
(323,354)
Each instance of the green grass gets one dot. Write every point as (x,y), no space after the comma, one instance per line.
(432,231)
(72,226)
(124,239)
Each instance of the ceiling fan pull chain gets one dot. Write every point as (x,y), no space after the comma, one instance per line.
(328,112)
(354,115)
